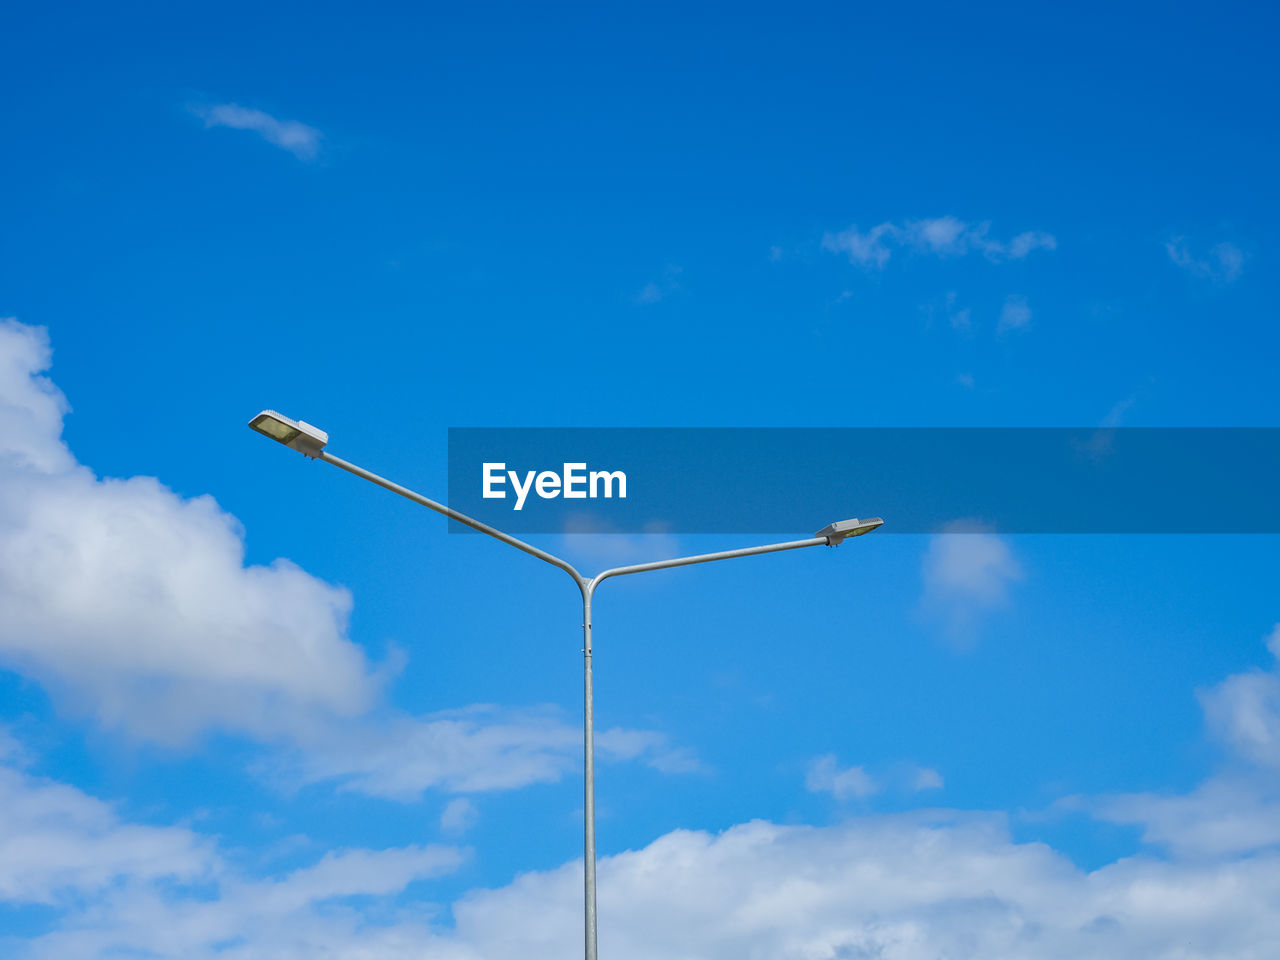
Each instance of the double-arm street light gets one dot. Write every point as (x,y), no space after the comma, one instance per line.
(310,441)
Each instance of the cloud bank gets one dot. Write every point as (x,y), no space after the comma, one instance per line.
(914,886)
(909,886)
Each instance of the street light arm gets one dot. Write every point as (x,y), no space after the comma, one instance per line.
(452,514)
(706,558)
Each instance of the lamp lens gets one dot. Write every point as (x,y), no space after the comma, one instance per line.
(276,430)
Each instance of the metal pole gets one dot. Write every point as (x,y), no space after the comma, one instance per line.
(589,783)
(587,586)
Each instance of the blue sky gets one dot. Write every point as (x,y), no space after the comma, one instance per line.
(391,221)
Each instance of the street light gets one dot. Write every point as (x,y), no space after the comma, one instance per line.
(310,441)
(298,434)
(840,531)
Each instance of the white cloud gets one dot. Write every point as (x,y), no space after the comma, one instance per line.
(348,873)
(914,887)
(662,288)
(948,307)
(649,293)
(965,573)
(31,407)
(476,749)
(941,235)
(1102,442)
(1014,315)
(944,236)
(1222,263)
(1024,243)
(926,778)
(1222,816)
(298,138)
(118,888)
(865,249)
(459,815)
(56,841)
(1236,811)
(969,564)
(826,776)
(1243,711)
(134,605)
(903,887)
(585,542)
(308,913)
(1118,412)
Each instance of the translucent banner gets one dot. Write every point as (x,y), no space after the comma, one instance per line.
(920,480)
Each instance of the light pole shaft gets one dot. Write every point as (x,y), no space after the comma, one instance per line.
(589,784)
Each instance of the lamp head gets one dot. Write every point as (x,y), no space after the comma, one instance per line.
(298,434)
(840,531)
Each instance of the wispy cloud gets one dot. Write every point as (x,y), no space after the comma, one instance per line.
(825,775)
(168,891)
(940,236)
(1119,410)
(1236,811)
(458,816)
(1221,816)
(54,837)
(585,542)
(661,288)
(1014,315)
(1222,263)
(1103,440)
(948,309)
(298,138)
(477,749)
(870,249)
(967,573)
(1243,711)
(926,778)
